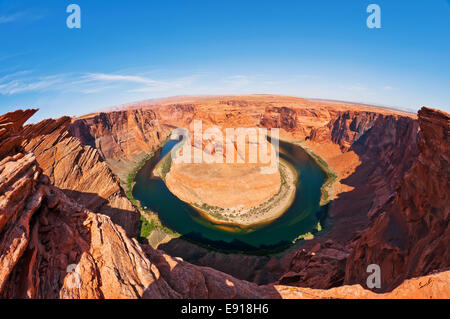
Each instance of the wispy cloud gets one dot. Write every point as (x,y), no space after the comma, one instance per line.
(120,78)
(149,85)
(11,17)
(87,83)
(16,83)
(26,15)
(10,56)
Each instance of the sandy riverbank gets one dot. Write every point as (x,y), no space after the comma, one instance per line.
(322,155)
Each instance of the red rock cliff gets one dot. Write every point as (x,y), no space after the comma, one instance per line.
(386,146)
(122,138)
(410,236)
(279,117)
(79,171)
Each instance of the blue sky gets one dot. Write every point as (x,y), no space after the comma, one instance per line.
(133,50)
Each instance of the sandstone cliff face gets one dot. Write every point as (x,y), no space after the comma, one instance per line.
(386,146)
(279,117)
(410,237)
(180,115)
(389,141)
(79,171)
(401,196)
(296,121)
(348,127)
(122,138)
(18,175)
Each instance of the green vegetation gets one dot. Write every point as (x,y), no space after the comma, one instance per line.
(145,227)
(307,236)
(166,165)
(214,211)
(332,176)
(319,227)
(149,221)
(132,175)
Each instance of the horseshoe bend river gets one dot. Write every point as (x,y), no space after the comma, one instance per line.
(300,218)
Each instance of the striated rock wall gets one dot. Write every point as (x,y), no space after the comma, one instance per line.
(279,117)
(387,141)
(410,236)
(180,115)
(385,146)
(123,138)
(79,171)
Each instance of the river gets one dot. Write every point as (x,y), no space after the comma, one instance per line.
(300,218)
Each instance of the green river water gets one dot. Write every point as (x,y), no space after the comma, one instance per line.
(300,218)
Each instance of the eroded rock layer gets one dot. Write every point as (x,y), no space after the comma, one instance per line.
(122,138)
(410,236)
(79,171)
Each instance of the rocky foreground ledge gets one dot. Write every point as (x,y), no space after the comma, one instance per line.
(52,246)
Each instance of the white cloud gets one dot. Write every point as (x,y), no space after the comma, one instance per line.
(15,84)
(88,83)
(149,85)
(11,18)
(22,15)
(166,85)
(120,78)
